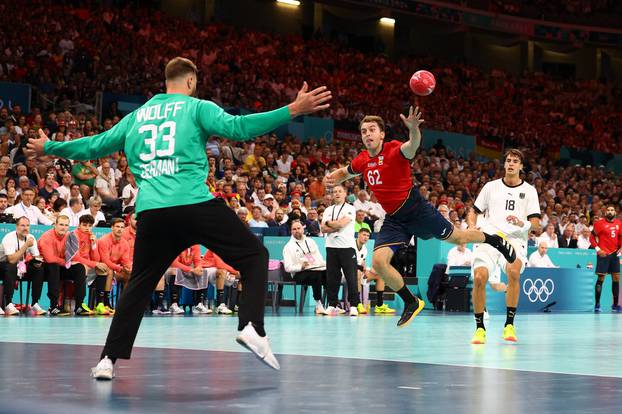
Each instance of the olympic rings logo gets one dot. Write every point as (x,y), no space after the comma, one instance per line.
(538,290)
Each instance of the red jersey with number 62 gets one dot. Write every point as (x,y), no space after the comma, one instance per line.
(609,235)
(387,174)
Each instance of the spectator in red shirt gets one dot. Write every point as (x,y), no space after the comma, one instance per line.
(220,274)
(88,256)
(187,265)
(114,251)
(53,247)
(129,233)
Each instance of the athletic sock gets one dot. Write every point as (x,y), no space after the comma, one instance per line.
(479,320)
(159,298)
(406,295)
(220,296)
(509,318)
(101,297)
(599,289)
(615,288)
(106,298)
(380,298)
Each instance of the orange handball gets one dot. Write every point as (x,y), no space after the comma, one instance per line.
(422,83)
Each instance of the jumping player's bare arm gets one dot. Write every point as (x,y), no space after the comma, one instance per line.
(412,122)
(337,177)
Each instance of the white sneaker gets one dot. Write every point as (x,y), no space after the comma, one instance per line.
(331,311)
(223,310)
(1,312)
(319,308)
(258,345)
(11,310)
(37,310)
(200,308)
(353,311)
(340,311)
(175,309)
(103,370)
(486,315)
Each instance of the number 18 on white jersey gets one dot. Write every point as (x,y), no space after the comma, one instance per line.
(497,201)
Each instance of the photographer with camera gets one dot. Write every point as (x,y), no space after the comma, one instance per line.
(22,260)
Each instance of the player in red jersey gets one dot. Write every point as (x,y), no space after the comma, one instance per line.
(385,167)
(606,238)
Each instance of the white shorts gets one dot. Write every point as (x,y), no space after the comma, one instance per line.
(486,256)
(211,274)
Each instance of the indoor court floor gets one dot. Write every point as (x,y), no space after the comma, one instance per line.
(563,363)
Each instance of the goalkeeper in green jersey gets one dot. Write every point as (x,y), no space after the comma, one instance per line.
(164,141)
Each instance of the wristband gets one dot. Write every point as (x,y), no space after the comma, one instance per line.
(597,249)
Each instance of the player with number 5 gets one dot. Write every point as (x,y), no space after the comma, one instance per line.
(164,141)
(385,166)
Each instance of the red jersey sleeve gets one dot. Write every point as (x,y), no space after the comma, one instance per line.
(104,253)
(220,264)
(357,165)
(196,255)
(179,265)
(126,259)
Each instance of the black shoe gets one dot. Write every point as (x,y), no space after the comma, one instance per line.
(504,247)
(410,311)
(83,310)
(57,311)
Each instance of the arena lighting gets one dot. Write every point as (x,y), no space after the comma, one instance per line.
(289,2)
(388,21)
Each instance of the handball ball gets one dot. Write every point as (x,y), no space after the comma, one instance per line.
(422,83)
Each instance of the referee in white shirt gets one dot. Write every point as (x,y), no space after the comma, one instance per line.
(459,255)
(26,209)
(539,258)
(338,226)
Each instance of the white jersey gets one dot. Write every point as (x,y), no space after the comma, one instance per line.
(498,200)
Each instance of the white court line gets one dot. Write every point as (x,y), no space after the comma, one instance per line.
(244,351)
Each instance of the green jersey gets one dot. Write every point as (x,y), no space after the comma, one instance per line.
(164,142)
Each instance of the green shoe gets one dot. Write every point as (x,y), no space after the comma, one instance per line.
(383,309)
(509,333)
(479,337)
(100,309)
(361,309)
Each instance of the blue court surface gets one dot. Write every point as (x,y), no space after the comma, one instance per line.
(563,363)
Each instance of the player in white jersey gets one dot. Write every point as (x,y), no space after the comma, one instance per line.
(510,207)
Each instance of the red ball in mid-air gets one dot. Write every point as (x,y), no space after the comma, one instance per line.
(422,83)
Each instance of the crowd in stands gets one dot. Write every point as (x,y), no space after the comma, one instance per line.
(583,12)
(596,13)
(70,53)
